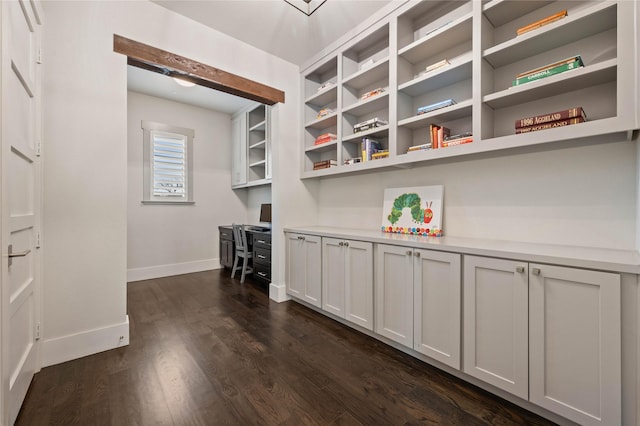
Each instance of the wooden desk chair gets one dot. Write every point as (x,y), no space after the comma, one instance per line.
(242,251)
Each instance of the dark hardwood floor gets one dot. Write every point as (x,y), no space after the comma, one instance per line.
(206,350)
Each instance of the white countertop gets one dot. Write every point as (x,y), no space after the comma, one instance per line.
(582,257)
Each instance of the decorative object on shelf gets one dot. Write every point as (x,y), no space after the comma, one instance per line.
(324,164)
(324,138)
(553,116)
(369,124)
(432,107)
(369,147)
(367,64)
(413,210)
(306,6)
(570,63)
(352,160)
(541,22)
(324,112)
(550,125)
(372,93)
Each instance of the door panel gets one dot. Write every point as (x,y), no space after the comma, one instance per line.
(21,171)
(576,343)
(359,289)
(333,276)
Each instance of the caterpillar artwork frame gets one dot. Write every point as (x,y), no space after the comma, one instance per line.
(413,210)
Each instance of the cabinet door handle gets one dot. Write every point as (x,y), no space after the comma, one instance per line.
(408,253)
(301,237)
(535,271)
(261,241)
(416,254)
(261,256)
(520,269)
(346,243)
(341,243)
(262,274)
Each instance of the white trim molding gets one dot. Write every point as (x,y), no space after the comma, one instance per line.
(278,292)
(74,346)
(159,271)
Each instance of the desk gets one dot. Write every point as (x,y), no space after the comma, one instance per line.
(259,242)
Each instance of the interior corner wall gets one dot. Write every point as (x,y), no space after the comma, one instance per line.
(580,194)
(166,240)
(85,157)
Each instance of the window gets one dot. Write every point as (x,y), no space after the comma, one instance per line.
(168,153)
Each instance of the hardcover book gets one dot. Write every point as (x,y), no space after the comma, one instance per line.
(550,125)
(442,104)
(541,22)
(547,72)
(553,116)
(369,147)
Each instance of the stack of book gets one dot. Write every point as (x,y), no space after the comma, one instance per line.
(458,139)
(369,147)
(324,164)
(380,154)
(437,134)
(372,93)
(324,112)
(442,104)
(570,63)
(551,120)
(541,22)
(325,86)
(369,124)
(324,138)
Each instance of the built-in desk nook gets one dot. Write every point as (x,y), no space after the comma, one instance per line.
(259,241)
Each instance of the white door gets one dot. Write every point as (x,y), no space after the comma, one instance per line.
(394,293)
(333,276)
(496,323)
(575,341)
(312,248)
(20,94)
(359,283)
(437,303)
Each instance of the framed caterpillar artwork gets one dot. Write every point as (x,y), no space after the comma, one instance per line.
(414,210)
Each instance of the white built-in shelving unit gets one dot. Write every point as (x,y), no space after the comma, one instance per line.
(479,40)
(251,153)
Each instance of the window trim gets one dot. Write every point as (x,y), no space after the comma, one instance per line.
(149,127)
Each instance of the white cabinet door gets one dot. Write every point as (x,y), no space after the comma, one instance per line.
(436,308)
(575,341)
(495,323)
(359,283)
(304,271)
(333,276)
(239,150)
(394,293)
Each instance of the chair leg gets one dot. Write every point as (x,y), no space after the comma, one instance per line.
(235,266)
(244,270)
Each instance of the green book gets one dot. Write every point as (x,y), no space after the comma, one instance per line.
(549,72)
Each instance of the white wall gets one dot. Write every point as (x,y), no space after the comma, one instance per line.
(190,244)
(85,167)
(578,195)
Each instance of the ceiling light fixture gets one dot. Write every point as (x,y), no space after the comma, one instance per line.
(306,6)
(182,82)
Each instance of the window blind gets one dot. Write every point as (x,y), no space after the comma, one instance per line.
(169,165)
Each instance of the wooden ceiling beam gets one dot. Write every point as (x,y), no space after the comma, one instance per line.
(157,60)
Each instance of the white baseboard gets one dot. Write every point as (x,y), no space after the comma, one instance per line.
(74,346)
(150,272)
(278,292)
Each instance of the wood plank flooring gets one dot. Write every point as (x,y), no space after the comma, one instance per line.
(207,350)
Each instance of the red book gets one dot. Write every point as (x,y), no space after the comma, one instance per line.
(553,116)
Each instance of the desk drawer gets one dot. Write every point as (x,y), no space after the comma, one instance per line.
(262,241)
(261,255)
(226,234)
(262,272)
